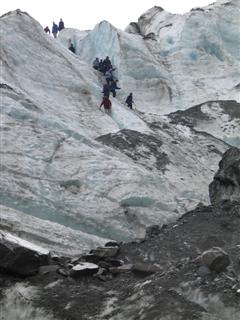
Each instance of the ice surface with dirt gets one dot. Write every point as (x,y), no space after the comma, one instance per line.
(83,177)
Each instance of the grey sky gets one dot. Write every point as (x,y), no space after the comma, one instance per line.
(84,14)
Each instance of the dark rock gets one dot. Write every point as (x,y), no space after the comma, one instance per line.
(108,263)
(74,260)
(83,269)
(20,256)
(215,259)
(114,262)
(55,258)
(104,264)
(144,269)
(104,252)
(168,25)
(197,9)
(48,269)
(5,86)
(134,27)
(203,271)
(132,142)
(63,272)
(93,258)
(226,183)
(122,269)
(153,231)
(112,244)
(150,36)
(101,271)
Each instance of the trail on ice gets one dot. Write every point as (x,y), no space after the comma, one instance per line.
(126,118)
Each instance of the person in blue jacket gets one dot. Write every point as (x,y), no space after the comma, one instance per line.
(54,30)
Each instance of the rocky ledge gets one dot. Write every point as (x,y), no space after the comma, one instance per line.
(186,270)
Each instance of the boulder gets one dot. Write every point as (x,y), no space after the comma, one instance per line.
(105,252)
(144,268)
(112,244)
(110,263)
(203,271)
(93,258)
(83,269)
(121,269)
(216,259)
(21,257)
(63,272)
(226,183)
(48,269)
(114,262)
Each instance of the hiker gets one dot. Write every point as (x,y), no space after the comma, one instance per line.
(129,100)
(47,30)
(61,25)
(101,66)
(107,105)
(113,86)
(71,48)
(54,30)
(96,64)
(114,78)
(106,90)
(107,63)
(109,76)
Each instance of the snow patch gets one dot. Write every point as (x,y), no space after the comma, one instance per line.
(23,243)
(84,266)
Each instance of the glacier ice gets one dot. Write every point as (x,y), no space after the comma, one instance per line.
(57,169)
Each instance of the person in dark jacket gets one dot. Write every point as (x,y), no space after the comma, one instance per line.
(107,105)
(129,100)
(47,30)
(71,48)
(106,90)
(101,66)
(96,63)
(54,29)
(107,63)
(113,86)
(61,25)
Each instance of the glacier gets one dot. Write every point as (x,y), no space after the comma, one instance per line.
(71,176)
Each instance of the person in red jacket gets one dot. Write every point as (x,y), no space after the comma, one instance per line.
(107,104)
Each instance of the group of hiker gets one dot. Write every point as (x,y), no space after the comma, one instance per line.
(104,66)
(110,86)
(55,28)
